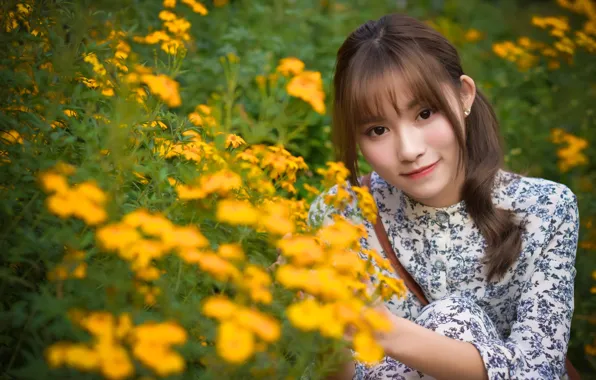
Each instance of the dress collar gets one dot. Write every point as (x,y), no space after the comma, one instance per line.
(413,210)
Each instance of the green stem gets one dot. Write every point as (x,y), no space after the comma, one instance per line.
(179,276)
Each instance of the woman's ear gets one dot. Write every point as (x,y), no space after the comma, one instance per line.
(467,93)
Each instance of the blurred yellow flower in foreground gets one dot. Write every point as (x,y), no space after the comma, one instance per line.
(234,343)
(150,343)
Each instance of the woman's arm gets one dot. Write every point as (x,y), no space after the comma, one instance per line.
(432,353)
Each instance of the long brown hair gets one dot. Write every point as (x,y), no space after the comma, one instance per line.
(429,66)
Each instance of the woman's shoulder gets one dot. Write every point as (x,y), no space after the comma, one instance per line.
(531,194)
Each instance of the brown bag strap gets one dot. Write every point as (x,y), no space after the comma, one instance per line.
(412,285)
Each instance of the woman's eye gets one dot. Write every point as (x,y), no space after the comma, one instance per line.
(376,131)
(425,114)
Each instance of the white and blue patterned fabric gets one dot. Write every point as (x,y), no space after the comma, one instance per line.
(520,323)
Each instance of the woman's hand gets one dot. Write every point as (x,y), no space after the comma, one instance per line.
(388,339)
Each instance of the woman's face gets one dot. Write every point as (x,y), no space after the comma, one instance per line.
(415,149)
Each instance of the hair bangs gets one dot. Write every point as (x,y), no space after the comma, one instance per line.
(377,76)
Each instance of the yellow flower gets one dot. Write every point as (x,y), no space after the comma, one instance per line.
(90,212)
(264,326)
(185,237)
(56,354)
(306,315)
(308,86)
(276,219)
(189,192)
(196,7)
(366,203)
(90,190)
(219,307)
(202,116)
(81,357)
(164,333)
(163,361)
(303,250)
(346,262)
(167,15)
(54,183)
(341,199)
(367,349)
(290,66)
(62,205)
(115,362)
(336,173)
(100,324)
(256,281)
(341,234)
(221,182)
(311,189)
(164,87)
(473,35)
(10,137)
(235,141)
(116,237)
(234,343)
(169,3)
(231,252)
(236,212)
(142,178)
(71,113)
(217,267)
(172,47)
(571,155)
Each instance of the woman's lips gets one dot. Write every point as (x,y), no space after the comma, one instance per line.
(422,172)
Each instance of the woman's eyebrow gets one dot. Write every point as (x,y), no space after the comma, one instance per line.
(414,103)
(372,120)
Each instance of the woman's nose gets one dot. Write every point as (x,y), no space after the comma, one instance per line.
(410,144)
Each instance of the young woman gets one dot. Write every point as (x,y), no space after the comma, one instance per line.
(493,252)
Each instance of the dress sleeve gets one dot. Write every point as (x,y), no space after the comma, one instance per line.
(537,345)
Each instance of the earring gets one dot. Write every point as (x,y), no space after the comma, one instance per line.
(467,112)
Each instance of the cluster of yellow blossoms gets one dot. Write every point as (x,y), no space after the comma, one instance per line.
(328,269)
(174,32)
(305,85)
(85,200)
(121,52)
(337,173)
(150,343)
(16,18)
(325,266)
(238,328)
(571,154)
(525,53)
(161,85)
(273,161)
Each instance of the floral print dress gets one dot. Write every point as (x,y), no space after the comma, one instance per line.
(519,324)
